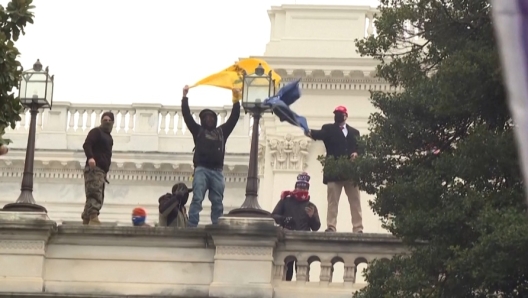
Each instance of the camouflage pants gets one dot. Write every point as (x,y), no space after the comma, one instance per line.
(94,185)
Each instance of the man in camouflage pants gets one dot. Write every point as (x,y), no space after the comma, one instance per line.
(98,150)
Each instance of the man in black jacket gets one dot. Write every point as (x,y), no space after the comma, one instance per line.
(340,140)
(98,150)
(208,160)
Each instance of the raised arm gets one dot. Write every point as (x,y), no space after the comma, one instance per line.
(229,125)
(193,127)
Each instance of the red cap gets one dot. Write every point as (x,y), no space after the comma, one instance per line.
(341,109)
(139,212)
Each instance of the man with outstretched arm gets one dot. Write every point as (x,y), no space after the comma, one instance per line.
(340,140)
(208,159)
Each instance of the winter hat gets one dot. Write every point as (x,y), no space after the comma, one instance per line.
(139,215)
(303,181)
(109,114)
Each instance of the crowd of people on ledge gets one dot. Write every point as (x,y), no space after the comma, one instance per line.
(294,211)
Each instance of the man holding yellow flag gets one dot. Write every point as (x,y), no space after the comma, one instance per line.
(209,152)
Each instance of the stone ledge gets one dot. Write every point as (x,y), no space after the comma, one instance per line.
(370,238)
(49,295)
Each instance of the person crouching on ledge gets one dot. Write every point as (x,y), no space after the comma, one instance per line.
(139,216)
(294,211)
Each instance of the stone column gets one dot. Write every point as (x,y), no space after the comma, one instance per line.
(243,262)
(23,240)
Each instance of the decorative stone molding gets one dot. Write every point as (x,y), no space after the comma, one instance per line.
(126,171)
(261,158)
(289,152)
(228,252)
(244,250)
(22,247)
(341,83)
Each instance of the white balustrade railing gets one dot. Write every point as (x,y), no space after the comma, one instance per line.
(138,127)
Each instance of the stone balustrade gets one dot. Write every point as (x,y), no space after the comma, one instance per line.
(238,258)
(138,127)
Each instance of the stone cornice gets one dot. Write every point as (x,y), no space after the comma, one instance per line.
(126,166)
(354,74)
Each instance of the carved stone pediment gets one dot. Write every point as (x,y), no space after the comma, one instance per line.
(288,152)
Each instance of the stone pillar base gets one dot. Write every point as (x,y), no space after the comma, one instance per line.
(244,257)
(23,240)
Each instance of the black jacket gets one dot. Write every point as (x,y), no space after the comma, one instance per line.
(294,210)
(98,145)
(209,150)
(336,144)
(167,200)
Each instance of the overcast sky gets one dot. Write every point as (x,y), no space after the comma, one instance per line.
(119,51)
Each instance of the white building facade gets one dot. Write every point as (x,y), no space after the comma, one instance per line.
(153,151)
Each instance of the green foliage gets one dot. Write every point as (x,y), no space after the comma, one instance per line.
(461,212)
(13,19)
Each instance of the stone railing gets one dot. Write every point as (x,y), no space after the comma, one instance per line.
(239,258)
(138,127)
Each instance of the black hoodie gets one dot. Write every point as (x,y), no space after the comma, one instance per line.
(209,142)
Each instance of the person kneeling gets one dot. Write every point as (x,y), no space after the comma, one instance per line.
(172,211)
(295,212)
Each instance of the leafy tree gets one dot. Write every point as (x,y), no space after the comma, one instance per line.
(13,19)
(441,157)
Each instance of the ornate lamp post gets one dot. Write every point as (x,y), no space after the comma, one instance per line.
(256,88)
(35,92)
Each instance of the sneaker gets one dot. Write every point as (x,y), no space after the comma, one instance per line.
(330,230)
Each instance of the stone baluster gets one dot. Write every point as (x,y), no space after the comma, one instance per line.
(22,126)
(163,124)
(40,118)
(179,127)
(122,121)
(349,274)
(326,272)
(131,114)
(303,270)
(171,122)
(89,120)
(71,122)
(223,116)
(278,272)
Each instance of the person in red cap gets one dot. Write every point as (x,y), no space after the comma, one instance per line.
(340,140)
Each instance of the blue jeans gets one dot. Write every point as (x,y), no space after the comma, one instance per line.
(207,180)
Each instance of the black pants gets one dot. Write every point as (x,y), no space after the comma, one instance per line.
(289,270)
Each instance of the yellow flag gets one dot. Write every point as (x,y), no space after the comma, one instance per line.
(232,77)
(223,79)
